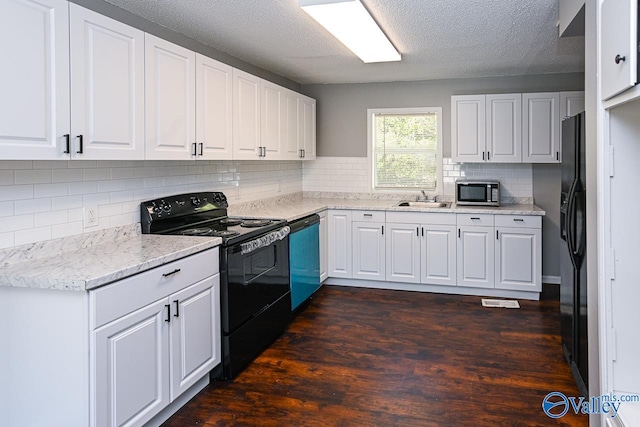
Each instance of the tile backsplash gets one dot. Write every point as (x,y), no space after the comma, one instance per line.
(349,175)
(42,200)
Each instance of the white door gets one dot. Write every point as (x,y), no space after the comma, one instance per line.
(195,333)
(504,128)
(272,117)
(541,127)
(368,250)
(170,100)
(468,128)
(132,383)
(339,252)
(619,56)
(518,259)
(308,128)
(292,124)
(246,116)
(475,252)
(439,255)
(323,230)
(214,94)
(34,79)
(107,87)
(403,253)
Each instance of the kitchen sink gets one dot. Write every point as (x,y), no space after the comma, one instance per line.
(409,204)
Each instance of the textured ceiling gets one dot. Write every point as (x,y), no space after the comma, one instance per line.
(438,39)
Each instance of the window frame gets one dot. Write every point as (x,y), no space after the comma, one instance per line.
(370,147)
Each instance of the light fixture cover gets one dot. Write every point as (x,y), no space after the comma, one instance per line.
(350,22)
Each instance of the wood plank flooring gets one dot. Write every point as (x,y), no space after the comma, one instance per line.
(366,357)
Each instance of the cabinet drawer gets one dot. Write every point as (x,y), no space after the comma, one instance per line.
(373,216)
(127,295)
(422,218)
(518,221)
(482,220)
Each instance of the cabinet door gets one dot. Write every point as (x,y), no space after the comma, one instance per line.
(107,87)
(34,79)
(292,124)
(475,251)
(439,255)
(246,116)
(308,128)
(541,127)
(214,93)
(132,367)
(468,128)
(368,250)
(403,253)
(619,24)
(195,333)
(518,259)
(571,103)
(170,100)
(272,117)
(504,128)
(324,230)
(339,252)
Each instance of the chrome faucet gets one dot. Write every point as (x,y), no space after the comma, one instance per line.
(426,198)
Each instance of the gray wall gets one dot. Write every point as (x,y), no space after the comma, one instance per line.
(342,108)
(342,130)
(147,26)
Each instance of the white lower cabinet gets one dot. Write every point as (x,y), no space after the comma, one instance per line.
(438,251)
(144,359)
(339,248)
(475,256)
(324,234)
(518,253)
(368,250)
(403,253)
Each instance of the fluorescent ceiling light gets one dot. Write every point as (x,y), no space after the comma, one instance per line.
(351,23)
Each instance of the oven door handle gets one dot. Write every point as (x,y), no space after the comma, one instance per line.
(263,241)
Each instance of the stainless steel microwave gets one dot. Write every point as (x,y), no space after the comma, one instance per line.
(478,192)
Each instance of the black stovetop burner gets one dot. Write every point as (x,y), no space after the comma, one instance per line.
(201,214)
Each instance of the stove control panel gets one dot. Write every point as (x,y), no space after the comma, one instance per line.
(166,208)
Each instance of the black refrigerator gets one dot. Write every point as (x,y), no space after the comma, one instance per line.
(573,251)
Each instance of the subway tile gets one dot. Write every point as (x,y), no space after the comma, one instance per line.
(110,209)
(7,177)
(67,175)
(83,187)
(7,240)
(51,190)
(69,229)
(96,174)
(110,185)
(83,164)
(121,196)
(33,176)
(7,208)
(76,214)
(16,222)
(16,192)
(24,237)
(29,206)
(51,218)
(50,164)
(16,164)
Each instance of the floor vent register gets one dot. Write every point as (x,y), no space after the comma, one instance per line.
(500,303)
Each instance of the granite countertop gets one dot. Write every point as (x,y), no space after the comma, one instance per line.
(81,263)
(297,206)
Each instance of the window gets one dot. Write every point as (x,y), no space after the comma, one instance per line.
(406,148)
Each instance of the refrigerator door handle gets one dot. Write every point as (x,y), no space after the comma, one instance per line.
(578,235)
(569,223)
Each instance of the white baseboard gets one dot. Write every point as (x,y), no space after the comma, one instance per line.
(551,280)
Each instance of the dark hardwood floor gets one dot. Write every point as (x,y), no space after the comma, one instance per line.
(366,357)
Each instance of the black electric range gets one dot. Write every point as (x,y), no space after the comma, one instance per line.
(255,296)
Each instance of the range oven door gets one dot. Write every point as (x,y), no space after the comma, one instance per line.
(252,281)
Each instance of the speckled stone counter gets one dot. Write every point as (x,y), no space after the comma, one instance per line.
(88,261)
(297,206)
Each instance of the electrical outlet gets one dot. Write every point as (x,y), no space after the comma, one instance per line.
(90,216)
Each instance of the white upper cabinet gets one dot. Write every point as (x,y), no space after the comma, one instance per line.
(619,56)
(541,127)
(246,116)
(107,87)
(272,120)
(504,132)
(468,128)
(571,103)
(170,100)
(34,79)
(308,128)
(214,93)
(292,125)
